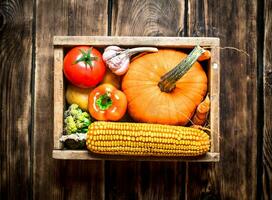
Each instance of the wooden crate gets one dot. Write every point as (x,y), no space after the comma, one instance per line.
(63,42)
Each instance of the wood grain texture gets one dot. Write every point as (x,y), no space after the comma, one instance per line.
(214,91)
(102,41)
(61,179)
(267,142)
(15,98)
(146,180)
(59,99)
(49,178)
(26,140)
(148,18)
(86,155)
(234,22)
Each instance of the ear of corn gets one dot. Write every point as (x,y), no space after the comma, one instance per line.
(139,139)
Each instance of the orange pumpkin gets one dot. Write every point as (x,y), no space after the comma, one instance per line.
(162,89)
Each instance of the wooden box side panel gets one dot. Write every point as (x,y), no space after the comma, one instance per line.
(58,96)
(86,155)
(214,73)
(135,41)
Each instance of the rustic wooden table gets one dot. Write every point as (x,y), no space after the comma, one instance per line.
(26,59)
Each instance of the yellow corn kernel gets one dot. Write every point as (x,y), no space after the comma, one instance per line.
(133,139)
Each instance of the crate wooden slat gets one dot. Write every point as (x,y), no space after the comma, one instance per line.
(63,42)
(135,41)
(86,155)
(214,87)
(58,96)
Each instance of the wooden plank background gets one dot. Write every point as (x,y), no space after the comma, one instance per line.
(27,170)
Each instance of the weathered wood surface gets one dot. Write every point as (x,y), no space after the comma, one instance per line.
(267,138)
(236,173)
(86,155)
(59,101)
(27,168)
(101,41)
(61,179)
(15,99)
(147,18)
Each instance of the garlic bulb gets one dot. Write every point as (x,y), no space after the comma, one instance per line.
(118,59)
(111,51)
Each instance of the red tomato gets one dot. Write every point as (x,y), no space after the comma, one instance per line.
(84,67)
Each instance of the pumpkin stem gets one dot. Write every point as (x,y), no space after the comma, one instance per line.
(168,80)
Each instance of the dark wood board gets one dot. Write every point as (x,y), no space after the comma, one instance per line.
(15,99)
(61,179)
(145,180)
(234,22)
(147,18)
(27,169)
(267,141)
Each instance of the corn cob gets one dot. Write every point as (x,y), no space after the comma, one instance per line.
(139,139)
